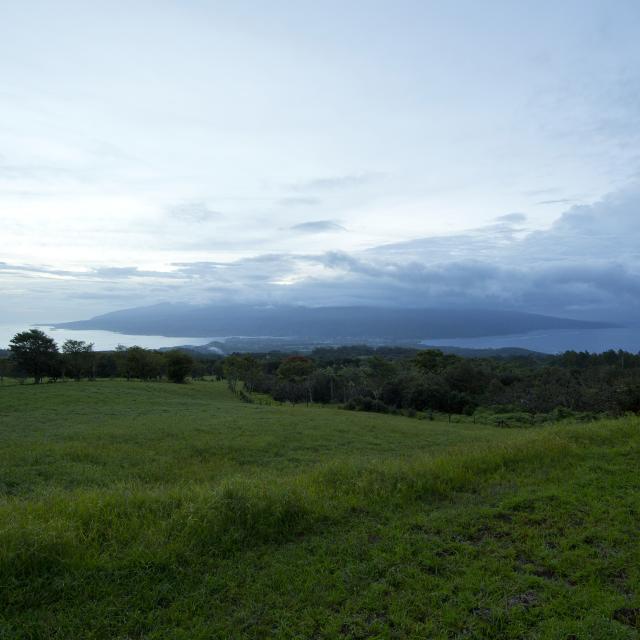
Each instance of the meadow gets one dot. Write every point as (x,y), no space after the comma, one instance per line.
(165,511)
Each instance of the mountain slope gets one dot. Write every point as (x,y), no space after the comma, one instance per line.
(322,322)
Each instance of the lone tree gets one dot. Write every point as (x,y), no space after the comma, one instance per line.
(34,352)
(179,365)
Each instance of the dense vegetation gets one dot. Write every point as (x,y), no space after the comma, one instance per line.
(523,389)
(159,511)
(431,381)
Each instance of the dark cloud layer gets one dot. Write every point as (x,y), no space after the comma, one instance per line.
(585,265)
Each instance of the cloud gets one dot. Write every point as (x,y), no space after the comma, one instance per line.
(26,269)
(117,273)
(32,171)
(299,202)
(335,183)
(542,192)
(605,231)
(560,201)
(192,212)
(318,226)
(512,218)
(587,264)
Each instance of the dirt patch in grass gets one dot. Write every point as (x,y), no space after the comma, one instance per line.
(526,599)
(629,616)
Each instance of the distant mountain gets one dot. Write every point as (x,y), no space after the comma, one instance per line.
(323,323)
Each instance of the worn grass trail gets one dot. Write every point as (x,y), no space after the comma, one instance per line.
(132,510)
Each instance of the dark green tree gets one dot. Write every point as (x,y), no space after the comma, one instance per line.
(198,370)
(432,360)
(106,365)
(378,372)
(78,358)
(34,352)
(250,372)
(5,368)
(295,372)
(232,370)
(144,363)
(179,365)
(351,381)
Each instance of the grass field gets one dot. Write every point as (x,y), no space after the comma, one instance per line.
(134,510)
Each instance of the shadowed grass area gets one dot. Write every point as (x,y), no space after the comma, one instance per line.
(166,511)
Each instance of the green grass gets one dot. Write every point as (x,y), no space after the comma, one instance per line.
(131,510)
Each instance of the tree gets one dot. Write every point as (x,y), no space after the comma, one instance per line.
(179,365)
(106,365)
(232,368)
(378,372)
(432,360)
(143,363)
(120,356)
(198,370)
(296,372)
(242,368)
(351,379)
(250,372)
(466,377)
(34,352)
(137,362)
(5,368)
(323,382)
(78,358)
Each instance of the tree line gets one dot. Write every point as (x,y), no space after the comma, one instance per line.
(386,379)
(410,381)
(33,354)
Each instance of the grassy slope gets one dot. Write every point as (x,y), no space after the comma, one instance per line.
(132,510)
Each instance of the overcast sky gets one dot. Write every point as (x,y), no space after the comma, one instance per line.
(438,153)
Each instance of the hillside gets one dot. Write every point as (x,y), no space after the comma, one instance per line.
(150,510)
(351,324)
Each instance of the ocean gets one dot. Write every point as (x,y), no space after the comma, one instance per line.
(555,341)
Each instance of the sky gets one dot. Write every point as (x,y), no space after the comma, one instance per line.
(398,152)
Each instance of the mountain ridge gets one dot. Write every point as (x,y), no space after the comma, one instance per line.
(337,322)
